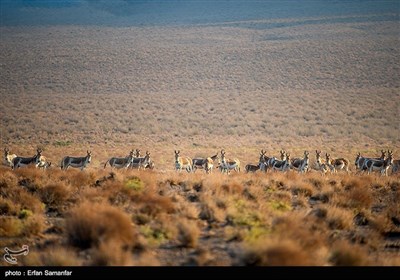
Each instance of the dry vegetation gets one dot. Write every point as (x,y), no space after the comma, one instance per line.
(331,87)
(198,219)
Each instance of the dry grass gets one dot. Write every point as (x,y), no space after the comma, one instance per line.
(188,234)
(89,225)
(347,255)
(270,219)
(277,253)
(53,256)
(110,253)
(54,195)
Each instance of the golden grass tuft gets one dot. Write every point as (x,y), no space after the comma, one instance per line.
(90,224)
(209,211)
(154,204)
(33,225)
(188,234)
(277,253)
(7,179)
(8,208)
(28,226)
(111,253)
(54,195)
(202,257)
(344,254)
(356,193)
(339,218)
(10,227)
(52,256)
(302,227)
(302,188)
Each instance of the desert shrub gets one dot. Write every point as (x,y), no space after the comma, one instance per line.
(153,204)
(33,176)
(201,257)
(54,195)
(188,234)
(90,224)
(280,205)
(134,183)
(29,225)
(276,253)
(232,188)
(155,234)
(8,208)
(53,255)
(316,183)
(210,212)
(339,218)
(359,198)
(33,225)
(28,201)
(302,189)
(141,218)
(10,227)
(352,183)
(24,214)
(61,143)
(8,179)
(59,256)
(355,195)
(29,184)
(344,254)
(79,179)
(110,253)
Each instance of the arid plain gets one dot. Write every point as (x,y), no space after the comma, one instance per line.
(293,84)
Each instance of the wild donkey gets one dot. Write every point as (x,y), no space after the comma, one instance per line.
(282,165)
(77,162)
(361,161)
(339,164)
(119,162)
(395,166)
(324,168)
(269,162)
(301,164)
(43,163)
(205,163)
(141,162)
(226,165)
(25,161)
(304,163)
(260,166)
(183,162)
(8,158)
(380,165)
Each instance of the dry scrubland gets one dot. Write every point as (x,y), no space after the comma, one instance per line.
(238,86)
(149,218)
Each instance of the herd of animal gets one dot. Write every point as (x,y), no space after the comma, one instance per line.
(285,163)
(133,160)
(221,162)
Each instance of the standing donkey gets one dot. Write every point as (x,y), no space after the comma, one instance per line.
(183,162)
(77,162)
